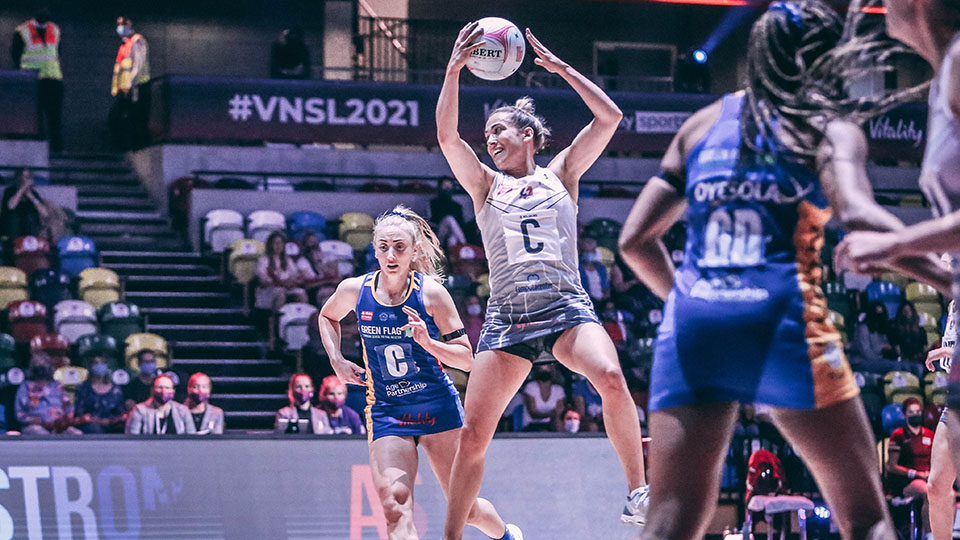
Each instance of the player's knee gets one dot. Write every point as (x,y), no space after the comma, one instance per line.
(395,500)
(938,486)
(472,441)
(609,381)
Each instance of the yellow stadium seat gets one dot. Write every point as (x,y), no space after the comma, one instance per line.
(900,382)
(934,309)
(13,286)
(99,286)
(921,292)
(244,255)
(356,229)
(137,343)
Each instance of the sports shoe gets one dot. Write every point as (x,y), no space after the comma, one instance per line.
(514,532)
(635,511)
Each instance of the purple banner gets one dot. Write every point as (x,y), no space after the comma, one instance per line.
(206,108)
(18,103)
(901,134)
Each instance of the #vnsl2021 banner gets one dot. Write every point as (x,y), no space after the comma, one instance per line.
(227,109)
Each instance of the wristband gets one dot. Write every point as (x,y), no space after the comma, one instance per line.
(911,474)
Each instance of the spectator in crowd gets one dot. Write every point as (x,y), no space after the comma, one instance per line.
(42,404)
(207,418)
(36,47)
(593,275)
(333,399)
(543,401)
(586,401)
(100,404)
(446,215)
(908,457)
(160,415)
(141,387)
(309,241)
(617,324)
(871,349)
(23,210)
(289,56)
(300,416)
(280,278)
(473,319)
(907,336)
(627,289)
(320,274)
(131,71)
(571,421)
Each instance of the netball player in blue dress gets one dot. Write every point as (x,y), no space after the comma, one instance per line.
(527,215)
(745,320)
(408,326)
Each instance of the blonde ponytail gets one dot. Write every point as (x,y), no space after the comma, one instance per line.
(428,260)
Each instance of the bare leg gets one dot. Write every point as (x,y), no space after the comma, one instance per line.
(441,448)
(940,497)
(495,379)
(393,461)
(588,350)
(837,445)
(918,490)
(687,451)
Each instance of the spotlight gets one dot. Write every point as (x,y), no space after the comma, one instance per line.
(700,56)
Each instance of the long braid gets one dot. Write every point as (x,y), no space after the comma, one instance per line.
(428,260)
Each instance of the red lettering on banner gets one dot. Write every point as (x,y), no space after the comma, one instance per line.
(362,487)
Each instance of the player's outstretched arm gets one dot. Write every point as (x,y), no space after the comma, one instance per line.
(570,164)
(457,352)
(474,176)
(841,159)
(333,311)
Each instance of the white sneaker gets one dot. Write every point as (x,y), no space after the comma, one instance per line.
(635,511)
(514,531)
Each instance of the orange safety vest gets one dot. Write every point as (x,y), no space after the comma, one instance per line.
(123,68)
(41,53)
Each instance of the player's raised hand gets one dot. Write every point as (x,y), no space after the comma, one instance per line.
(466,43)
(417,326)
(545,59)
(348,372)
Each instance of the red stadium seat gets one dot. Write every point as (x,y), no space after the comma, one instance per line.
(31,253)
(26,318)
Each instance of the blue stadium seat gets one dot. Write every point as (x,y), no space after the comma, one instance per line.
(76,254)
(300,223)
(50,287)
(888,293)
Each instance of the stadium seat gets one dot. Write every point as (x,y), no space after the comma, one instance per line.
(136,343)
(71,377)
(244,255)
(294,319)
(929,322)
(342,252)
(26,318)
(302,222)
(935,387)
(377,187)
(468,260)
(74,318)
(234,183)
(897,279)
(838,298)
(607,258)
(921,292)
(221,228)
(53,344)
(356,229)
(605,231)
(99,286)
(50,287)
(887,293)
(119,320)
(76,254)
(263,222)
(417,187)
(934,309)
(369,259)
(483,286)
(931,415)
(900,382)
(13,286)
(10,372)
(292,249)
(933,337)
(893,418)
(31,253)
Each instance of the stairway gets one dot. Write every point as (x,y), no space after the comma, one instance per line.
(180,292)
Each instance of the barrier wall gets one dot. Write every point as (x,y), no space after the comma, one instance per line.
(274,489)
(18,103)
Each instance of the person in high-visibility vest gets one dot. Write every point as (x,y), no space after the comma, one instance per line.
(35,47)
(128,116)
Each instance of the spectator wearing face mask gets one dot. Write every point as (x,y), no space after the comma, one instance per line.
(207,418)
(140,388)
(908,457)
(571,421)
(473,319)
(42,405)
(160,415)
(301,416)
(593,275)
(333,399)
(543,401)
(100,404)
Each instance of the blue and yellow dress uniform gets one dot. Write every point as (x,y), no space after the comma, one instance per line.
(747,320)
(408,393)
